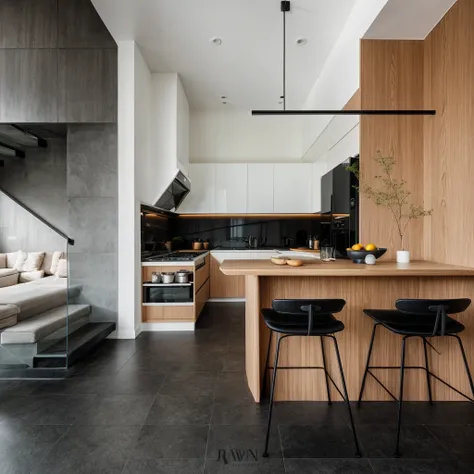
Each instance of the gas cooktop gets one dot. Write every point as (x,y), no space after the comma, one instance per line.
(175,257)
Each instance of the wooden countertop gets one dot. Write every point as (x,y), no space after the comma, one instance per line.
(343,268)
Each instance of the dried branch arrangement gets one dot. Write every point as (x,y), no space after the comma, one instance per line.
(393,194)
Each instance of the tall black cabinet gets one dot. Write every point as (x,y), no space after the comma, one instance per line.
(340,202)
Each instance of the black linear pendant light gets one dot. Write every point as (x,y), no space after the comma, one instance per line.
(286,7)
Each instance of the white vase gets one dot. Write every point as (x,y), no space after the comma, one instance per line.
(403,256)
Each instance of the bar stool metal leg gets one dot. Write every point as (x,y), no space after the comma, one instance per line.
(400,398)
(346,396)
(272,393)
(264,384)
(364,378)
(428,381)
(326,371)
(466,364)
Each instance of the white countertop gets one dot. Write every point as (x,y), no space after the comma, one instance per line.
(221,255)
(179,263)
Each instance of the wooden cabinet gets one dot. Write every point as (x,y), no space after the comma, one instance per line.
(292,188)
(260,188)
(223,286)
(231,188)
(202,275)
(201,298)
(178,312)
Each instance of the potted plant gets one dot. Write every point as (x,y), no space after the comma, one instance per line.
(392,193)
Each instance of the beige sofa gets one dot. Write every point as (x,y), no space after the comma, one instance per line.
(21,267)
(28,287)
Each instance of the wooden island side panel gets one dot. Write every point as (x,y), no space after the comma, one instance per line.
(362,287)
(360,293)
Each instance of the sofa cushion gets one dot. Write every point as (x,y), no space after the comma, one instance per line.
(9,280)
(25,277)
(29,262)
(7,271)
(8,315)
(61,272)
(3,260)
(33,299)
(40,326)
(12,258)
(50,262)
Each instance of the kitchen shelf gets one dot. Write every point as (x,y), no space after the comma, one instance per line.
(168,284)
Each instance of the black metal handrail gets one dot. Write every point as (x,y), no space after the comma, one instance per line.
(41,219)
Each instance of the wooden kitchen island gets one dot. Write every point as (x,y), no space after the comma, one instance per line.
(361,286)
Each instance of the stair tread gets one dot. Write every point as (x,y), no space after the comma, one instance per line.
(42,325)
(77,339)
(61,312)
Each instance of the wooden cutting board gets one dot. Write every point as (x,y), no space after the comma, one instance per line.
(303,249)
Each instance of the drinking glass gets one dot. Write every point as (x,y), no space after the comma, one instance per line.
(328,254)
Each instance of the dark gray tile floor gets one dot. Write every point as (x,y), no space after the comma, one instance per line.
(178,403)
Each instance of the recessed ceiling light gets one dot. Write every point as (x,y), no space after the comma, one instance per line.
(223,97)
(216,41)
(301,41)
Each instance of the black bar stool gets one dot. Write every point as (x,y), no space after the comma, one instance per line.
(417,318)
(306,318)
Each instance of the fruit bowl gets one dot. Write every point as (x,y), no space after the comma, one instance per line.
(358,256)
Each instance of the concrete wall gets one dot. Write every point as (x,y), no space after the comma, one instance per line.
(72,184)
(39,182)
(92,195)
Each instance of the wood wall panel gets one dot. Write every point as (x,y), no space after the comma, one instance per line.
(223,286)
(449,137)
(392,78)
(354,101)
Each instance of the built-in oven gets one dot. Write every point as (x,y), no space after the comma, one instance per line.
(167,293)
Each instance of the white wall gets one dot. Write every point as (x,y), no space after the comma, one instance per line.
(131,111)
(340,77)
(145,166)
(236,136)
(408,19)
(183,127)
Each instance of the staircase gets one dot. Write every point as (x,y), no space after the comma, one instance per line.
(79,343)
(53,329)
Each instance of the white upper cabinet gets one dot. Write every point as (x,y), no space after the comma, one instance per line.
(260,188)
(234,188)
(202,198)
(292,188)
(230,188)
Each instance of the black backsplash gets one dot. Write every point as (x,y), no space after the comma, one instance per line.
(155,231)
(234,231)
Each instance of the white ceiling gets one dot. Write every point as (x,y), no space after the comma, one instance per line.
(408,19)
(174,35)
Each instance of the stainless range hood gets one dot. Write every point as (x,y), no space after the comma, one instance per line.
(175,193)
